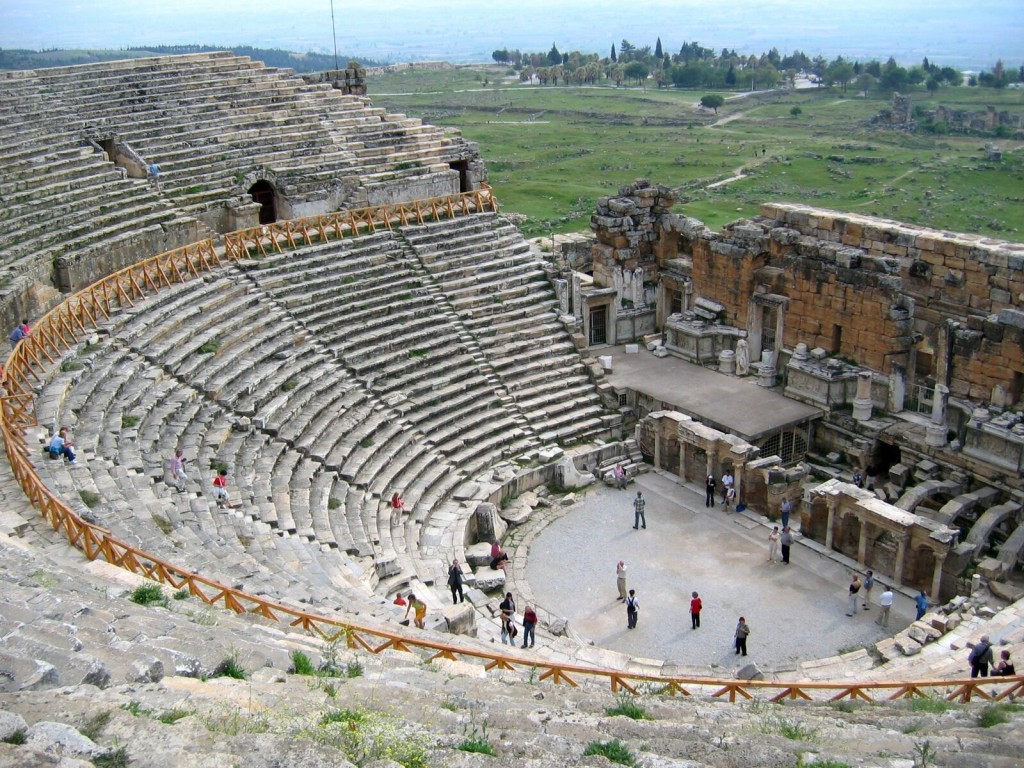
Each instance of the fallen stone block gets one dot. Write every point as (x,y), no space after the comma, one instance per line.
(907,645)
(749,672)
(488,580)
(460,619)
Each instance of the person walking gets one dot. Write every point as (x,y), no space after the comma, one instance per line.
(869,584)
(620,578)
(695,606)
(730,497)
(851,610)
(921,601)
(981,657)
(1005,666)
(773,545)
(529,627)
(153,174)
(632,609)
(742,631)
(786,541)
(638,511)
(709,491)
(177,469)
(455,582)
(885,604)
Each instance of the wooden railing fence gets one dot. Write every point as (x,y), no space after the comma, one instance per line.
(67,324)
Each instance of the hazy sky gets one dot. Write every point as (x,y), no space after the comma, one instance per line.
(964,34)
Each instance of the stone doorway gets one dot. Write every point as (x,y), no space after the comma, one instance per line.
(462,166)
(599,325)
(263,193)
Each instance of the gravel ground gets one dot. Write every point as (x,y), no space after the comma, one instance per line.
(796,612)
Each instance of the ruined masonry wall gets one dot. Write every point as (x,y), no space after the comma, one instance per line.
(726,276)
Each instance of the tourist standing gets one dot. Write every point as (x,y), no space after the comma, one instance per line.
(1005,667)
(981,657)
(455,582)
(885,603)
(787,510)
(220,488)
(709,491)
(695,607)
(730,497)
(921,601)
(17,334)
(773,545)
(177,469)
(619,475)
(620,578)
(786,541)
(742,631)
(529,627)
(869,584)
(727,481)
(632,609)
(854,589)
(638,511)
(508,615)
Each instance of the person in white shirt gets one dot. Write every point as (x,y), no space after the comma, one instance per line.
(885,603)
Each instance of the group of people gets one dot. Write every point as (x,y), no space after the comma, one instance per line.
(728,490)
(19,332)
(779,540)
(981,657)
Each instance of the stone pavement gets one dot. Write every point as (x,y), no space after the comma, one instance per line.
(796,612)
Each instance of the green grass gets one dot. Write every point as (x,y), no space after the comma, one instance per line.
(127,422)
(930,706)
(17,738)
(116,758)
(209,347)
(996,714)
(230,667)
(148,594)
(626,707)
(615,751)
(95,725)
(480,746)
(89,498)
(301,665)
(552,151)
(172,716)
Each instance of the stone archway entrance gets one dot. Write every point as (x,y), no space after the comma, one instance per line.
(263,193)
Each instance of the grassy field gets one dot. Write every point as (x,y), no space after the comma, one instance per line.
(552,151)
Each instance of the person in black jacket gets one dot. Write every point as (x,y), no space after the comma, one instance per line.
(455,582)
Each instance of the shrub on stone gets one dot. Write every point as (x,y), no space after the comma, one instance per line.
(614,750)
(148,594)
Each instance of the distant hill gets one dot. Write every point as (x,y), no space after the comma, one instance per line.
(272,57)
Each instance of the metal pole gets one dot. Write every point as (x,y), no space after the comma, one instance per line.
(334,34)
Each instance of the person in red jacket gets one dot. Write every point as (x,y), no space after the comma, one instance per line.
(695,606)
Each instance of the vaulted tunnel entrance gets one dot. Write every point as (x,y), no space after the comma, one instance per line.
(263,193)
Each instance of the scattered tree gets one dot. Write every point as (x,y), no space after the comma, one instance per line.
(795,111)
(712,101)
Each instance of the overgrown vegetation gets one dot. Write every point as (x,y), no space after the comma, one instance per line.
(127,422)
(230,667)
(627,707)
(930,706)
(996,714)
(148,594)
(89,498)
(115,758)
(301,665)
(615,751)
(366,736)
(17,738)
(209,347)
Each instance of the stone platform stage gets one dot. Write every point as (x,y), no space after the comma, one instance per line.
(726,403)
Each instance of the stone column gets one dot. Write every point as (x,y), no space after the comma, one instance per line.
(937,576)
(657,445)
(935,435)
(727,361)
(682,459)
(766,372)
(862,404)
(901,554)
(897,387)
(862,543)
(831,502)
(712,461)
(737,479)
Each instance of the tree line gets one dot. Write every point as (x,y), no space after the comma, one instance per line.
(695,66)
(272,57)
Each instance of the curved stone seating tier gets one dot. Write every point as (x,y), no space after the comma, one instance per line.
(239,117)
